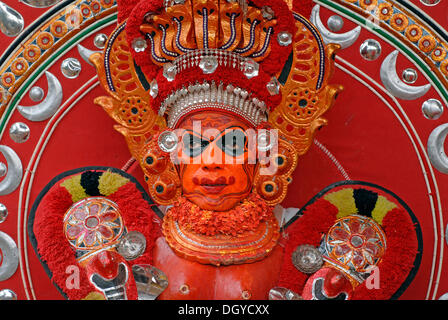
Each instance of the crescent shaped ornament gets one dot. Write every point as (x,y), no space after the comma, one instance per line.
(345,40)
(47,108)
(15,171)
(436,148)
(395,85)
(86,53)
(10,256)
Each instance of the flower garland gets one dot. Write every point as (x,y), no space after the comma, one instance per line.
(245,217)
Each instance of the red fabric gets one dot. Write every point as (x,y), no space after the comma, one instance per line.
(308,229)
(303,7)
(285,22)
(55,250)
(398,260)
(143,59)
(125,8)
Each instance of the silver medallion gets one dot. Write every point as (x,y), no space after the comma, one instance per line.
(3,213)
(132,245)
(430,3)
(268,13)
(9,256)
(307,259)
(139,44)
(36,94)
(7,294)
(168,141)
(19,132)
(335,23)
(284,38)
(169,71)
(71,68)
(251,69)
(370,49)
(432,109)
(208,64)
(280,293)
(100,40)
(154,90)
(410,76)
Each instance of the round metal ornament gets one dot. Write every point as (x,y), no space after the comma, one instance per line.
(168,141)
(432,109)
(139,45)
(307,259)
(7,294)
(370,49)
(335,23)
(154,90)
(251,69)
(132,245)
(279,293)
(36,94)
(169,71)
(410,76)
(100,40)
(208,64)
(71,68)
(284,38)
(9,256)
(430,3)
(3,213)
(19,132)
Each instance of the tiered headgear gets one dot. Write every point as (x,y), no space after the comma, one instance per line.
(255,59)
(212,54)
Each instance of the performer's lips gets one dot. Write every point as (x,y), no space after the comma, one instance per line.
(214,186)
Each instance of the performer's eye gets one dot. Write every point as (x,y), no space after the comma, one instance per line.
(193,146)
(234,143)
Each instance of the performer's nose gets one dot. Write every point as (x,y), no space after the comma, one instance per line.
(212,158)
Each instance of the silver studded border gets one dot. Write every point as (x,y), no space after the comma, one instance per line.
(210,95)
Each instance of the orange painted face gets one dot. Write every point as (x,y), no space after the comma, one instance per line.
(214,151)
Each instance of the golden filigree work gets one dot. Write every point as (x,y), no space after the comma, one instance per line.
(299,115)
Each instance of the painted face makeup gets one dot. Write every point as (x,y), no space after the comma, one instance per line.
(215,171)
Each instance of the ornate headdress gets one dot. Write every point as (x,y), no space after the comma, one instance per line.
(256,59)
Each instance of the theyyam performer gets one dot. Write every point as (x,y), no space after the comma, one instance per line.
(218,101)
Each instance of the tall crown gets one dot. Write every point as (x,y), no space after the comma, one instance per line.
(189,47)
(256,59)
